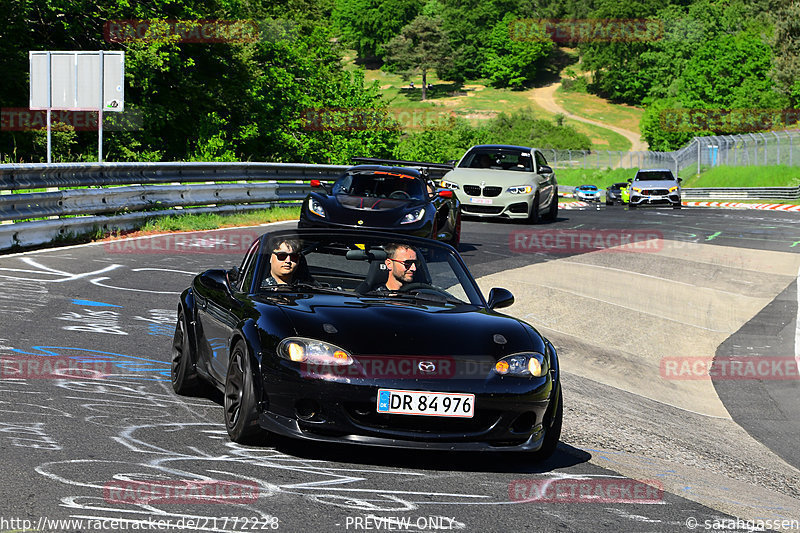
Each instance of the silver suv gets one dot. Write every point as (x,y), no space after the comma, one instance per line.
(655,186)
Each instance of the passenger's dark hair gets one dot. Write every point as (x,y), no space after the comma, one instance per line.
(392,247)
(292,244)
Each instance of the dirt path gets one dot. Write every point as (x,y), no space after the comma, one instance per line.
(545,97)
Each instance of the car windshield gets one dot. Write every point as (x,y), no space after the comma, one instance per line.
(356,265)
(655,175)
(380,185)
(498,159)
(588,188)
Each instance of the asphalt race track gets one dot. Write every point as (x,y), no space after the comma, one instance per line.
(638,303)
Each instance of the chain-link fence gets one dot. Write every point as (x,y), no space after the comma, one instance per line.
(752,149)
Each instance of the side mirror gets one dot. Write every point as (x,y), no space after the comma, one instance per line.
(544,169)
(215,280)
(630,180)
(445,193)
(499,298)
(679,180)
(233,275)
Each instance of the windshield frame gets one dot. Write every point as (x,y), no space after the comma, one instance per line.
(315,240)
(339,187)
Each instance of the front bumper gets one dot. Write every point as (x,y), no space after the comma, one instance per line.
(422,229)
(506,205)
(587,197)
(669,199)
(508,412)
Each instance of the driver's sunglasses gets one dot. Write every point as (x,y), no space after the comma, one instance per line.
(294,256)
(408,263)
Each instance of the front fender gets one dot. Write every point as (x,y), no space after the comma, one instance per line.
(186,305)
(248,331)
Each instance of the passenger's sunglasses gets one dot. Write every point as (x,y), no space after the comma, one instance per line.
(408,263)
(294,256)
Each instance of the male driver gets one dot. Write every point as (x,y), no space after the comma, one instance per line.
(283,263)
(402,264)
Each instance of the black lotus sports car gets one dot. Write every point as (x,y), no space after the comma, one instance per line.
(385,198)
(338,357)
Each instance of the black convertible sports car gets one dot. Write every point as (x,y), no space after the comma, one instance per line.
(385,198)
(337,356)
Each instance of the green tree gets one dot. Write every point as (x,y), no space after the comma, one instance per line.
(514,62)
(367,25)
(730,71)
(421,46)
(786,44)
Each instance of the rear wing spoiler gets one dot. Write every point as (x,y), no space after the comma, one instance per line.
(427,169)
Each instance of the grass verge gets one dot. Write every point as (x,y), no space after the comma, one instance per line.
(723,176)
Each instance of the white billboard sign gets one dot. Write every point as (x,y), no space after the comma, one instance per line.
(72,81)
(77,81)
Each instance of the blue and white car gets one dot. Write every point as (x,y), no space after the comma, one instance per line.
(587,193)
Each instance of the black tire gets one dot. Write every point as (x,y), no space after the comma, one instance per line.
(241,415)
(533,216)
(552,209)
(184,376)
(552,431)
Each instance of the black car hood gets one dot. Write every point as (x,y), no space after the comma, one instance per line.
(372,204)
(370,211)
(390,326)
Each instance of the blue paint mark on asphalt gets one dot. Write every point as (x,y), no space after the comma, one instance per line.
(159,370)
(165,330)
(91,303)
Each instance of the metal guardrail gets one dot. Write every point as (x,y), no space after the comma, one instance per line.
(36,176)
(123,195)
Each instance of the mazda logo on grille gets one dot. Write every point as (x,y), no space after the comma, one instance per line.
(426,366)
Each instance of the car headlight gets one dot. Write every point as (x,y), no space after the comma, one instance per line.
(520,189)
(637,189)
(315,207)
(302,350)
(673,189)
(448,184)
(522,364)
(414,216)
